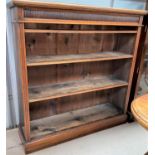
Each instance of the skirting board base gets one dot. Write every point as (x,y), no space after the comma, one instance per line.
(69,134)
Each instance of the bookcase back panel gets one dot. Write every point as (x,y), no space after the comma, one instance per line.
(71,103)
(78,15)
(67,72)
(118,97)
(61,44)
(43,75)
(121,69)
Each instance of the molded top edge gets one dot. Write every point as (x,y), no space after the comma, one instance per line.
(38,4)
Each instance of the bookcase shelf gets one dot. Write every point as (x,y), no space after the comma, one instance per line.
(41,93)
(78,31)
(75,58)
(75,68)
(61,122)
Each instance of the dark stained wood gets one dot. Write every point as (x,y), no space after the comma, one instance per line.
(41,93)
(143,50)
(74,58)
(57,123)
(142,64)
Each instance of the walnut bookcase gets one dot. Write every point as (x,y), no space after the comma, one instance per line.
(75,66)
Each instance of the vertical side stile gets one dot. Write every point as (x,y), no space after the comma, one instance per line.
(133,64)
(23,73)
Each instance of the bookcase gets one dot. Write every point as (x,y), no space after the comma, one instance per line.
(75,67)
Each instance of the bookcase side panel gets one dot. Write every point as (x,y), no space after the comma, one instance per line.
(135,51)
(19,44)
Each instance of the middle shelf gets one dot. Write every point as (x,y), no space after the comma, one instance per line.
(52,91)
(75,58)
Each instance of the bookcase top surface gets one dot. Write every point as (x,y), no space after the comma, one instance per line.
(70,6)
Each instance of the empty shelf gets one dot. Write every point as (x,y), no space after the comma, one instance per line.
(75,58)
(46,92)
(61,122)
(79,31)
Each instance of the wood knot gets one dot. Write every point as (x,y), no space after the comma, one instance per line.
(33,41)
(66,40)
(78,118)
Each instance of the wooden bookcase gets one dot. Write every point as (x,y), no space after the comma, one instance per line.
(75,66)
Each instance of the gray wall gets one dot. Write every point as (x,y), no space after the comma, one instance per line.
(12,97)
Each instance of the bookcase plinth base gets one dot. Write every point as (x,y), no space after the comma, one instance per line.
(69,134)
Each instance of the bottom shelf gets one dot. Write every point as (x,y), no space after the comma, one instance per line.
(75,132)
(68,120)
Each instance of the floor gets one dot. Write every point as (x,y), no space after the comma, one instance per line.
(126,139)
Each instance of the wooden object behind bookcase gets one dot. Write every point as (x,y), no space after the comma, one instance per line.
(140,62)
(75,66)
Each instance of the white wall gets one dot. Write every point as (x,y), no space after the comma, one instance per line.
(12,98)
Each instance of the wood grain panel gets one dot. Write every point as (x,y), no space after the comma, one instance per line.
(43,75)
(46,92)
(67,43)
(40,44)
(125,43)
(74,58)
(57,123)
(121,69)
(72,133)
(45,44)
(69,103)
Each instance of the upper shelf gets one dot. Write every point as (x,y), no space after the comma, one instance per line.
(75,58)
(80,31)
(76,22)
(52,91)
